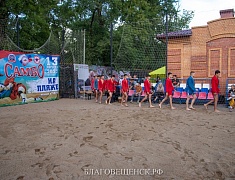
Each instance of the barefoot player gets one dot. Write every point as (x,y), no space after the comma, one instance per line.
(191,91)
(125,88)
(101,87)
(215,90)
(148,91)
(169,89)
(111,88)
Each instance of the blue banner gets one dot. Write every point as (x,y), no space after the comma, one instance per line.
(28,78)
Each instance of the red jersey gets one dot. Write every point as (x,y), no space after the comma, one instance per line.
(125,86)
(215,85)
(101,85)
(169,86)
(110,85)
(147,86)
(106,84)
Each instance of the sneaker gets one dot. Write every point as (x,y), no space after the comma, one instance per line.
(131,101)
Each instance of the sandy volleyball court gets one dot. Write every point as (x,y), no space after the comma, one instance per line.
(73,138)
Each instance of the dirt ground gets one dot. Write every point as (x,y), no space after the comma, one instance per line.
(80,139)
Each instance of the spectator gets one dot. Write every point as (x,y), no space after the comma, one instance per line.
(132,84)
(159,91)
(175,81)
(120,80)
(138,92)
(135,79)
(88,82)
(158,79)
(231,98)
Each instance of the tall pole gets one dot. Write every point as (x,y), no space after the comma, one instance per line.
(84,46)
(17,31)
(111,47)
(166,25)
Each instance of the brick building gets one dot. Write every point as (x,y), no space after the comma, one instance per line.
(204,49)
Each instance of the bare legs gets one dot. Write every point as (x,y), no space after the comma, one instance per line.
(108,100)
(96,95)
(192,102)
(170,97)
(124,98)
(215,100)
(150,101)
(101,95)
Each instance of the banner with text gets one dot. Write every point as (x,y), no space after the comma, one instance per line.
(28,78)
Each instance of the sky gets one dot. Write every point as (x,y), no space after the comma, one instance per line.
(205,10)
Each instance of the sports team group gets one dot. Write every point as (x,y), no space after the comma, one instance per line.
(99,86)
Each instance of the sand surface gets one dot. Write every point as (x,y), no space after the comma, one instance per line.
(64,139)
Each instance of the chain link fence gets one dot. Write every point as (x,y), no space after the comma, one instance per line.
(70,47)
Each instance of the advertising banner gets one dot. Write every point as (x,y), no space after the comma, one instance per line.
(26,78)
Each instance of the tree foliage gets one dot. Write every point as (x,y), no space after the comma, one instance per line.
(36,18)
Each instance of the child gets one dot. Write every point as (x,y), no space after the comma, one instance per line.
(169,89)
(215,90)
(124,90)
(138,92)
(148,92)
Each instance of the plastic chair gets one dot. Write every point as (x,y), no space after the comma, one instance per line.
(184,95)
(180,89)
(177,94)
(131,92)
(210,96)
(204,90)
(143,93)
(202,95)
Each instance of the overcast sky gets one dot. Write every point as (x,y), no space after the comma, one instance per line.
(206,10)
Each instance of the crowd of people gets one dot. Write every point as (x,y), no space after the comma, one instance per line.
(161,91)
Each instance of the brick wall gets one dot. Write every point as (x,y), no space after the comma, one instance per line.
(209,48)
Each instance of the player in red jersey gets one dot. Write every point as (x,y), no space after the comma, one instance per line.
(125,89)
(101,87)
(148,91)
(215,90)
(111,89)
(169,89)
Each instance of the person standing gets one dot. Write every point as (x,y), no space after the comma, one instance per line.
(215,91)
(169,89)
(101,87)
(125,88)
(148,91)
(191,91)
(111,89)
